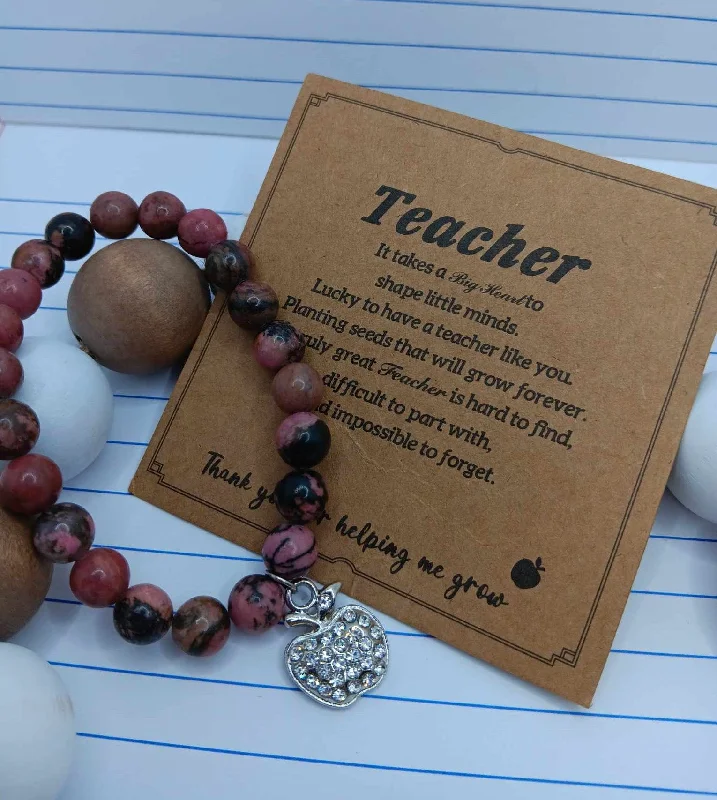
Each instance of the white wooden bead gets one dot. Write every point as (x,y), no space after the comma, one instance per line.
(694,474)
(37,727)
(72,398)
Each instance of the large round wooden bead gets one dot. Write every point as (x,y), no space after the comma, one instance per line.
(21,291)
(289,550)
(303,440)
(41,259)
(228,264)
(24,575)
(301,496)
(114,215)
(256,603)
(71,234)
(253,305)
(63,533)
(101,578)
(30,484)
(297,387)
(138,305)
(19,429)
(143,615)
(159,214)
(199,230)
(201,626)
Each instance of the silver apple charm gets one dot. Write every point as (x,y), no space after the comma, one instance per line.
(343,656)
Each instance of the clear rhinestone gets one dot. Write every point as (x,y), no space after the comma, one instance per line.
(312,681)
(300,671)
(310,644)
(325,655)
(296,654)
(310,659)
(368,679)
(326,640)
(339,629)
(356,655)
(324,688)
(367,663)
(364,621)
(379,669)
(353,672)
(379,652)
(325,601)
(350,615)
(339,695)
(341,645)
(337,679)
(323,671)
(354,687)
(365,645)
(339,662)
(354,636)
(376,632)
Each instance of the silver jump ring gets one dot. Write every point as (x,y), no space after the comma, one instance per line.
(314,599)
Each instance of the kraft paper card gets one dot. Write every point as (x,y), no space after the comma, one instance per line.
(510,333)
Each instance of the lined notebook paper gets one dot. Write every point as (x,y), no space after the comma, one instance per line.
(619,77)
(154,723)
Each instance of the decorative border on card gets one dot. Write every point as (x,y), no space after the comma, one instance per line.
(567,656)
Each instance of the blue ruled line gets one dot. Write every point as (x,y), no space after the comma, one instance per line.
(252,559)
(543,133)
(140,396)
(352,42)
(393,768)
(225,115)
(377,86)
(84,202)
(393,698)
(551,9)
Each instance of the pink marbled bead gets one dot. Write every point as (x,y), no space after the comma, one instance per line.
(21,291)
(289,550)
(160,213)
(11,329)
(63,533)
(30,484)
(201,626)
(199,230)
(101,578)
(256,603)
(297,387)
(278,344)
(11,373)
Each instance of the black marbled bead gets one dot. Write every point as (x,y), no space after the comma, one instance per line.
(143,615)
(253,305)
(228,264)
(71,234)
(301,496)
(303,440)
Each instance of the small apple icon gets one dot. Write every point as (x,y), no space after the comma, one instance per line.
(526,574)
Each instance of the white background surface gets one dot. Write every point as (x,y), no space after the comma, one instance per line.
(156,724)
(623,77)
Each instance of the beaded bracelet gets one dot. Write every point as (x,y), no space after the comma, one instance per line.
(345,652)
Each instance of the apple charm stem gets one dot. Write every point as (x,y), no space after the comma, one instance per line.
(343,655)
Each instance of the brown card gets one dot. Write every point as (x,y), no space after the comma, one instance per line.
(511,334)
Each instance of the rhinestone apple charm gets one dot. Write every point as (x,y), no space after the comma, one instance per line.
(345,654)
